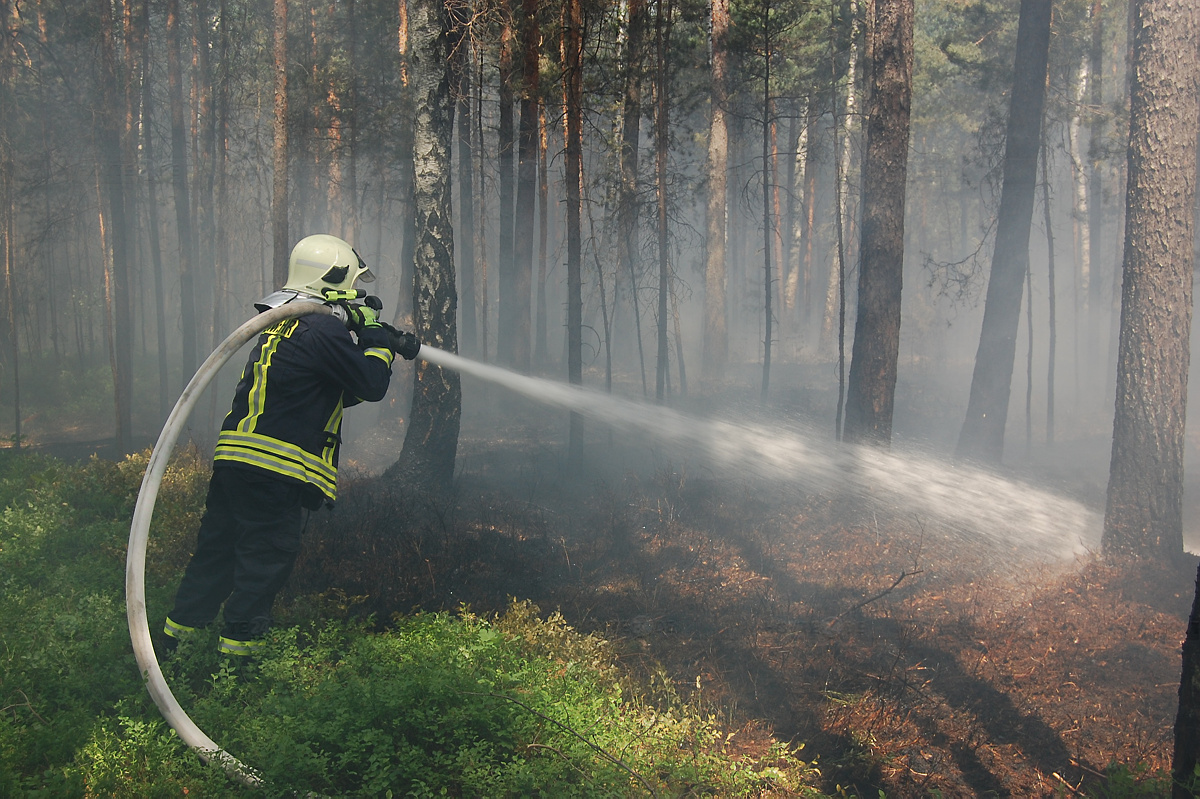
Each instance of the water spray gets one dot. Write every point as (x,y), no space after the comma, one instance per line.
(965,499)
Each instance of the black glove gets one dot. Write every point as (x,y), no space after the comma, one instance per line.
(375,336)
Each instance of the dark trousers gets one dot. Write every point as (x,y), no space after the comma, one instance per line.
(245,549)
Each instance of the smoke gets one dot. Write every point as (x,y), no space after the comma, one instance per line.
(964,499)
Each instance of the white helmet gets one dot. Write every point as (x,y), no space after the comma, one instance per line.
(324,262)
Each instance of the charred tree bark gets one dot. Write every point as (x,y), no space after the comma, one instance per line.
(1144,509)
(982,436)
(431,438)
(716,332)
(871,389)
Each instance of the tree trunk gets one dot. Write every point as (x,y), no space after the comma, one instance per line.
(1144,510)
(1052,310)
(843,146)
(111,152)
(768,172)
(627,200)
(221,204)
(179,180)
(281,242)
(540,353)
(129,69)
(872,386)
(1099,312)
(837,271)
(203,157)
(11,21)
(481,237)
(431,438)
(466,200)
(573,90)
(662,133)
(682,367)
(508,323)
(1081,219)
(787,252)
(156,261)
(352,225)
(13,356)
(809,216)
(982,436)
(527,163)
(1029,359)
(606,316)
(405,139)
(716,333)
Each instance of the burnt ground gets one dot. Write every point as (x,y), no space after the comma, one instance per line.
(905,657)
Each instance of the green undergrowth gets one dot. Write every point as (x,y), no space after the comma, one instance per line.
(436,704)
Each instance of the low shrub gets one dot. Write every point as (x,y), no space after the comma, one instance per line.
(435,704)
(457,705)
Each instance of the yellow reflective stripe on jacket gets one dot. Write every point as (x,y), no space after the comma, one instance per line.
(257,398)
(382,353)
(331,434)
(280,457)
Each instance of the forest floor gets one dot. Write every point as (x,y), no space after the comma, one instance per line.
(906,657)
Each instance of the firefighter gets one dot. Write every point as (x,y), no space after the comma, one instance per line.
(277,452)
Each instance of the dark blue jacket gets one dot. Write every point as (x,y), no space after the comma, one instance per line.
(286,417)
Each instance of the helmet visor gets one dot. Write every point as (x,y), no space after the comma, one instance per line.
(364,274)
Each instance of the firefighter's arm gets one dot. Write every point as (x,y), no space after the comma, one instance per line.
(362,369)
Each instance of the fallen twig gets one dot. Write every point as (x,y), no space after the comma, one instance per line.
(904,574)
